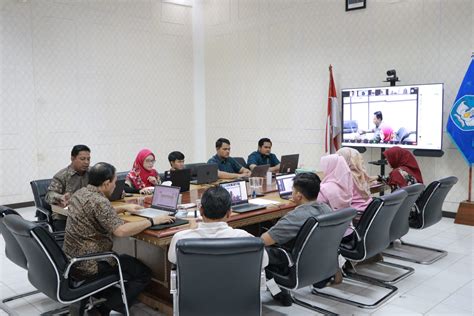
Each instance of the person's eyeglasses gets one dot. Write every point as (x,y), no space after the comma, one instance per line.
(150,161)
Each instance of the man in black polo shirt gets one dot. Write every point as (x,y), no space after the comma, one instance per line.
(228,167)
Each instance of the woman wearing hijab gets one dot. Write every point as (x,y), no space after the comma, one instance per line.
(336,191)
(336,187)
(143,175)
(405,168)
(361,181)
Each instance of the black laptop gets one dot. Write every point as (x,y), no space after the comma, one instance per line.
(181,178)
(206,174)
(285,185)
(118,191)
(289,163)
(239,197)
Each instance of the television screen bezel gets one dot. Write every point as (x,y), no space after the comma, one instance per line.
(379,145)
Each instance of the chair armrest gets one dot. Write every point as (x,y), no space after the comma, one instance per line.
(100,256)
(287,255)
(45,225)
(263,281)
(351,226)
(173,279)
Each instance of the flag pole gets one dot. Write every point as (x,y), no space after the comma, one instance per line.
(470,183)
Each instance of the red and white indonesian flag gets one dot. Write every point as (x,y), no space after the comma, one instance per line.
(333,122)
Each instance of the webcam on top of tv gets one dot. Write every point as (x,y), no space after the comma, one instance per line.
(392,77)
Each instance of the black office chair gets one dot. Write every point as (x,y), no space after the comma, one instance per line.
(315,252)
(427,212)
(14,253)
(241,161)
(43,209)
(226,273)
(49,268)
(398,228)
(370,237)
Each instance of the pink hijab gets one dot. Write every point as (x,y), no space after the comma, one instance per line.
(336,187)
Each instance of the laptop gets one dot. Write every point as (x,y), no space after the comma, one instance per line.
(164,202)
(205,174)
(118,191)
(239,197)
(258,171)
(181,178)
(289,163)
(285,185)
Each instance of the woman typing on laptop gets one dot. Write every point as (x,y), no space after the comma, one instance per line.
(143,175)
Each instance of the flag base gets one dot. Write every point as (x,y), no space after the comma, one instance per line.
(465,214)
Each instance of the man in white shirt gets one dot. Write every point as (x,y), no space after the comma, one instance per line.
(215,210)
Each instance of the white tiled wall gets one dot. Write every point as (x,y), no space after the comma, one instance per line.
(115,75)
(118,76)
(267,68)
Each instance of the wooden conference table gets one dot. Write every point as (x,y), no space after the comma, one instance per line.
(151,246)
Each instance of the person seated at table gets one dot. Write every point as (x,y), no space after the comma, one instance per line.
(70,179)
(264,156)
(176,159)
(304,194)
(67,181)
(92,223)
(337,186)
(215,211)
(361,181)
(228,167)
(143,175)
(405,169)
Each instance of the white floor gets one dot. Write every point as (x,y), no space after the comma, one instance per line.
(445,287)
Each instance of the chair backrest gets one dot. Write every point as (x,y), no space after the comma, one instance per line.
(46,260)
(219,276)
(316,247)
(13,250)
(121,175)
(430,203)
(374,225)
(40,188)
(241,161)
(400,224)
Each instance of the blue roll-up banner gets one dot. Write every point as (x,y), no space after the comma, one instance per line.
(460,124)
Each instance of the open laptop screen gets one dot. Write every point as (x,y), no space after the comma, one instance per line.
(237,191)
(285,184)
(165,197)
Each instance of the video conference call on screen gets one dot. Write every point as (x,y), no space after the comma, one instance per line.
(411,116)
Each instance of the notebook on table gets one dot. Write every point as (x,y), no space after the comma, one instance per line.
(285,185)
(239,197)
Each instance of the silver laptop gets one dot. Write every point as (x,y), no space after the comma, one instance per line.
(239,197)
(285,185)
(164,202)
(206,174)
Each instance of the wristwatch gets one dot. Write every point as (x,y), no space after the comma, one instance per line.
(151,221)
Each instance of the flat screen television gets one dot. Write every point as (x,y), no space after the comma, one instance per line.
(407,116)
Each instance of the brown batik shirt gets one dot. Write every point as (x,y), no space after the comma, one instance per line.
(89,228)
(67,180)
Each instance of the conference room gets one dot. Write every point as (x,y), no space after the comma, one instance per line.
(186,157)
